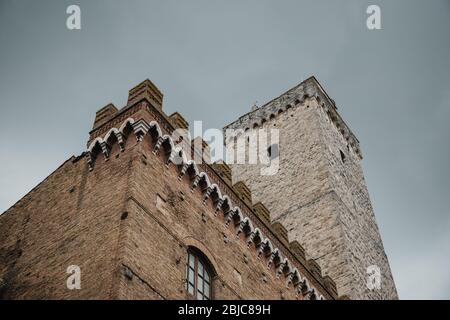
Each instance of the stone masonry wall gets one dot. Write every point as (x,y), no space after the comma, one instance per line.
(294,194)
(357,217)
(322,202)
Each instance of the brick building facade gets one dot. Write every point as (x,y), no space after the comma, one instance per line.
(140,225)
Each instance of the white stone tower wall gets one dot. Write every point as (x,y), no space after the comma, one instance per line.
(323,202)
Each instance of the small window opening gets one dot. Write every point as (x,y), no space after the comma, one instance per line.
(342,156)
(272,151)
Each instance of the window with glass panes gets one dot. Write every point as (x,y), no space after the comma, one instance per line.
(198,278)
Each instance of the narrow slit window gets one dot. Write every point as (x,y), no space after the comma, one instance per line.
(272,151)
(342,156)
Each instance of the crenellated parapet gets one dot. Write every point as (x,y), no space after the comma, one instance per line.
(330,285)
(243,191)
(298,250)
(223,170)
(178,121)
(104,115)
(281,231)
(298,96)
(202,149)
(147,90)
(262,212)
(314,267)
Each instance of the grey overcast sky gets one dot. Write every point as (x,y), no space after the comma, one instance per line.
(213,59)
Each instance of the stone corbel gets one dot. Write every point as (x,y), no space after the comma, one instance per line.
(261,249)
(195,183)
(105,150)
(207,194)
(250,239)
(272,257)
(183,171)
(170,159)
(280,270)
(90,161)
(218,206)
(241,228)
(120,141)
(228,217)
(289,279)
(140,129)
(157,146)
(308,295)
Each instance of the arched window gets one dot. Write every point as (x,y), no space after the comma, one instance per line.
(199,276)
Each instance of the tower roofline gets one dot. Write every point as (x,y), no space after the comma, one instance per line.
(309,88)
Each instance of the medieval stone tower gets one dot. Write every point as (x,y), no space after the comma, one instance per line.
(319,193)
